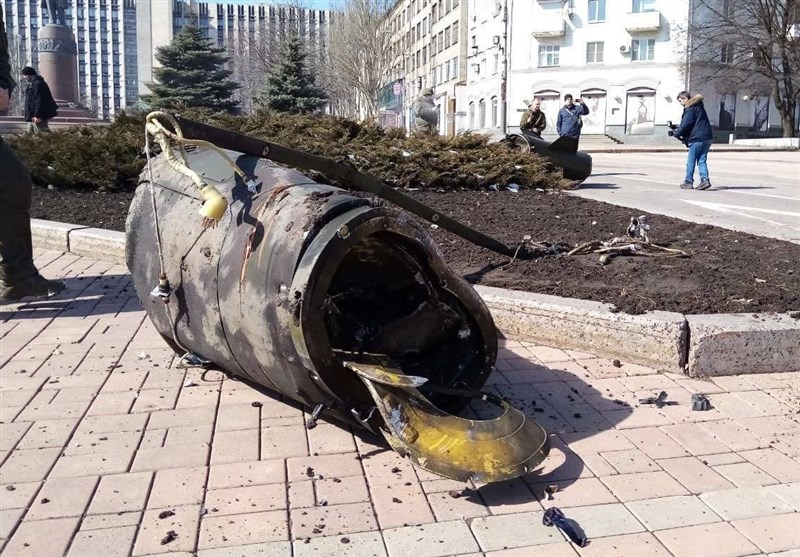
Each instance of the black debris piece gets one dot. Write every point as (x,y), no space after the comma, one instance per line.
(700,403)
(170,537)
(660,401)
(554,517)
(166,514)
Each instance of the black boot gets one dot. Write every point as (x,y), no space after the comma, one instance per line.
(36,286)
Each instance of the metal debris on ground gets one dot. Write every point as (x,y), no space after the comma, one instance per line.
(394,342)
(193,359)
(555,517)
(170,537)
(660,401)
(637,242)
(700,402)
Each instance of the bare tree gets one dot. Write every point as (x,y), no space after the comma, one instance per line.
(358,57)
(18,60)
(254,50)
(751,46)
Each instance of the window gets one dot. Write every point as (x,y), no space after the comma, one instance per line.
(496,64)
(448,35)
(495,121)
(597,10)
(726,54)
(727,9)
(455,32)
(594,53)
(482,114)
(472,115)
(644,6)
(642,49)
(548,55)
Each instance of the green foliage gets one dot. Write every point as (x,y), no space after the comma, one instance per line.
(108,157)
(192,74)
(290,87)
(95,158)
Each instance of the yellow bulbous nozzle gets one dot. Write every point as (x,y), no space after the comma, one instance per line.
(214,205)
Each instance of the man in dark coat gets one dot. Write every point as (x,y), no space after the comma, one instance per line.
(39,103)
(18,275)
(695,131)
(569,121)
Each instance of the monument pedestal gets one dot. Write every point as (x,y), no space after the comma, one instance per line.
(58,65)
(58,62)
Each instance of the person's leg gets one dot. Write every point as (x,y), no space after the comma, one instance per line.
(44,126)
(702,158)
(691,161)
(18,274)
(16,250)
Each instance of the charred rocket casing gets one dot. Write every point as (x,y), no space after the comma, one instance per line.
(563,152)
(324,296)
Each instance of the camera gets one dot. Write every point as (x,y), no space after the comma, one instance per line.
(671,126)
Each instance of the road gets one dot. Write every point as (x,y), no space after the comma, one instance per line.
(752,192)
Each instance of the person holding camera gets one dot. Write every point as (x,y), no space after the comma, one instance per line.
(695,132)
(569,121)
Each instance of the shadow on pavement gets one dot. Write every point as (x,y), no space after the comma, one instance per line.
(597,186)
(85,295)
(620,174)
(734,188)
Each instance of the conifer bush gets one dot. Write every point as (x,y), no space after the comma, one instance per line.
(110,157)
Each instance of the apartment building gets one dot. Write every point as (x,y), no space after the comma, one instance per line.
(483,94)
(250,31)
(428,49)
(627,59)
(105,32)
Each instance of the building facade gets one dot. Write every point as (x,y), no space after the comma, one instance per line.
(105,32)
(428,49)
(627,59)
(250,31)
(482,97)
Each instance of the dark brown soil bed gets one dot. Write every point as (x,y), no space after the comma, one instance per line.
(728,272)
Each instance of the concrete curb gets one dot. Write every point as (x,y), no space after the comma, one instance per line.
(700,345)
(656,339)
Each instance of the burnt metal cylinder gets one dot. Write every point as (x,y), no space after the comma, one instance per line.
(298,276)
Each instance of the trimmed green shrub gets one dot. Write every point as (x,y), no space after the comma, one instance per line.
(109,157)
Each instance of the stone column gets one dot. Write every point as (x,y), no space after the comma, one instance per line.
(58,62)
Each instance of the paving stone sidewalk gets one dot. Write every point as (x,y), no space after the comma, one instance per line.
(108,449)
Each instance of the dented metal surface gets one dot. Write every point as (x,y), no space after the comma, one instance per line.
(299,278)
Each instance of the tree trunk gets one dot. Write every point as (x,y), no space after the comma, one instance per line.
(787,120)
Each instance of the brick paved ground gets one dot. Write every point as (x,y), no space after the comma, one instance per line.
(106,447)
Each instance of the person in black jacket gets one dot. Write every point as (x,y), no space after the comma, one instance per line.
(39,103)
(18,274)
(695,131)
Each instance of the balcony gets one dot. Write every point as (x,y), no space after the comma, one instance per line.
(643,22)
(549,25)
